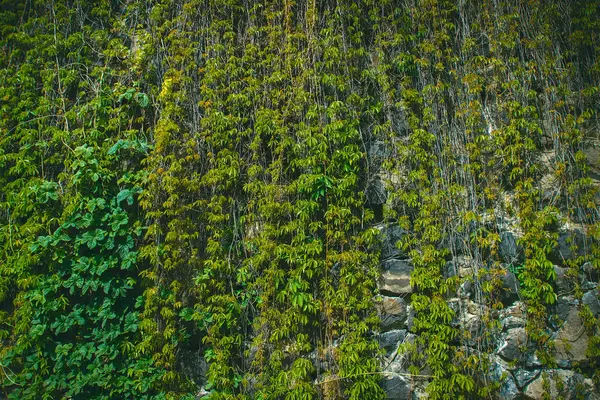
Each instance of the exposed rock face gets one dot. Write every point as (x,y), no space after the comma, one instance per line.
(509,252)
(589,276)
(390,340)
(396,277)
(378,151)
(513,316)
(393,312)
(376,192)
(560,383)
(590,299)
(513,363)
(571,341)
(391,234)
(592,153)
(523,377)
(562,309)
(508,388)
(510,284)
(513,345)
(397,387)
(570,245)
(563,285)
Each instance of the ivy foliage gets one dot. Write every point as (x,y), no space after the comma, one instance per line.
(190,190)
(82,307)
(72,123)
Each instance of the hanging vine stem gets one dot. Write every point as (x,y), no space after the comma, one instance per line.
(383,373)
(271,250)
(43,117)
(4,368)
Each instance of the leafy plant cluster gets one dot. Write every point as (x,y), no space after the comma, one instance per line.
(184,189)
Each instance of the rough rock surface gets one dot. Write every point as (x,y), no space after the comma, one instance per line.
(523,376)
(510,286)
(508,249)
(508,388)
(591,300)
(561,383)
(513,344)
(393,312)
(397,387)
(376,192)
(570,245)
(396,277)
(513,316)
(391,234)
(513,362)
(563,285)
(390,340)
(571,341)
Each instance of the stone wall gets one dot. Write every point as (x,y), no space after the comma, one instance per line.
(512,359)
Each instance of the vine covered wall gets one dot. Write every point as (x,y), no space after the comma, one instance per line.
(299,199)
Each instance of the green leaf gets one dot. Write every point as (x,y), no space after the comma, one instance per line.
(142,99)
(125,194)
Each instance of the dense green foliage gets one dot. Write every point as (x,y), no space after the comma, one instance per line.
(187,181)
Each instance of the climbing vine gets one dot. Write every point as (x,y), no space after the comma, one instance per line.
(192,192)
